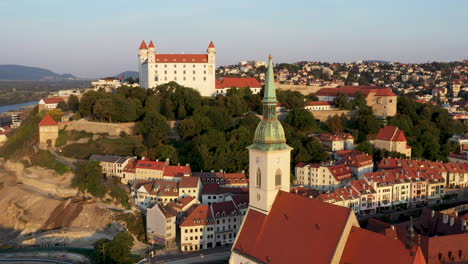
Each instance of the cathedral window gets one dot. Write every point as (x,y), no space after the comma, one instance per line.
(278,178)
(259,178)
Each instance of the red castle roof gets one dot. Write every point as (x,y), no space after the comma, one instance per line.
(211,45)
(143,45)
(151,45)
(182,58)
(48,121)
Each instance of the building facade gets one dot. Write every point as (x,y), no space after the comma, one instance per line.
(190,70)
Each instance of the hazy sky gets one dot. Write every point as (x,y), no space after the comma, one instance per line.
(97,38)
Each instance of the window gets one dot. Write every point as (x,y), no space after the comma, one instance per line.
(259,178)
(278,177)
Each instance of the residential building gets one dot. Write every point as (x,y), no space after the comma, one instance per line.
(112,166)
(392,138)
(197,231)
(190,70)
(160,224)
(107,84)
(319,106)
(359,162)
(49,103)
(323,177)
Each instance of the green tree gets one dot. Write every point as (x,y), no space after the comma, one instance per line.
(312,97)
(154,129)
(103,109)
(302,120)
(116,250)
(335,124)
(88,179)
(73,103)
(359,100)
(62,106)
(366,147)
(88,100)
(341,101)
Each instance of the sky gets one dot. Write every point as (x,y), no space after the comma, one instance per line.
(99,38)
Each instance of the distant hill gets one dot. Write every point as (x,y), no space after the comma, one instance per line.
(377,61)
(25,73)
(126,74)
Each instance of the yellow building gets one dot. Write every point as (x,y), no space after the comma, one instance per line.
(48,132)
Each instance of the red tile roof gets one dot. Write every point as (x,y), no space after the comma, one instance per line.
(151,45)
(210,188)
(48,121)
(181,203)
(143,45)
(296,229)
(211,45)
(189,182)
(201,215)
(159,187)
(182,58)
(391,133)
(224,209)
(365,247)
(317,103)
(150,165)
(53,100)
(341,172)
(237,82)
(177,171)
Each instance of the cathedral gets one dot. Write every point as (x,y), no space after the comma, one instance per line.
(281,227)
(190,70)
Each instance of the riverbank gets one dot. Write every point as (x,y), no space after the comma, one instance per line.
(14,107)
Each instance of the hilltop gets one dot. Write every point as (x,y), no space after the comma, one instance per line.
(26,73)
(126,74)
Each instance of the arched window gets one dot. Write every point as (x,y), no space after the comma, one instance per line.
(259,178)
(278,178)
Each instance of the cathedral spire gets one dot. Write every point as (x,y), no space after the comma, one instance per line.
(269,134)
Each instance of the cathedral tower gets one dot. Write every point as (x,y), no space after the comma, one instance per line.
(269,155)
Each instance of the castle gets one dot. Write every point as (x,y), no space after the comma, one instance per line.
(190,70)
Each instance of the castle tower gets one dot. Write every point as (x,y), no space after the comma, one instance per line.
(151,65)
(269,155)
(211,51)
(142,67)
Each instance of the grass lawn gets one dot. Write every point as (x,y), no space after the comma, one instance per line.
(44,159)
(72,135)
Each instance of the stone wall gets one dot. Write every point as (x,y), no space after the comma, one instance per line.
(47,136)
(325,115)
(303,89)
(113,129)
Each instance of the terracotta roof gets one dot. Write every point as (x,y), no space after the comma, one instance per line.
(189,182)
(150,165)
(235,178)
(318,103)
(167,211)
(211,45)
(159,187)
(53,100)
(446,249)
(391,133)
(151,45)
(130,166)
(177,171)
(201,215)
(48,121)
(224,209)
(296,229)
(143,45)
(182,58)
(341,172)
(181,203)
(237,82)
(365,247)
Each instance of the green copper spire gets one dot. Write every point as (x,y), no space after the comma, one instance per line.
(269,134)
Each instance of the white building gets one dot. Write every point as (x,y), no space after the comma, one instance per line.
(50,103)
(161,224)
(190,70)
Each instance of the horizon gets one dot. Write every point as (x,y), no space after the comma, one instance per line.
(68,37)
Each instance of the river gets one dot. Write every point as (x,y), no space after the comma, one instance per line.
(5,108)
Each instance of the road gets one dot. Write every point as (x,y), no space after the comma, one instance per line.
(214,255)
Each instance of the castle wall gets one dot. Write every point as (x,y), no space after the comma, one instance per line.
(113,129)
(47,133)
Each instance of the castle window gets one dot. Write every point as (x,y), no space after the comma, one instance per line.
(175,65)
(175,78)
(194,65)
(204,66)
(165,72)
(259,178)
(165,65)
(194,78)
(184,65)
(175,72)
(278,178)
(165,78)
(204,78)
(184,71)
(193,72)
(204,72)
(184,78)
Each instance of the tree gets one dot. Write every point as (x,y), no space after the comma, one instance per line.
(116,250)
(301,120)
(293,99)
(56,114)
(130,80)
(312,97)
(167,152)
(89,179)
(335,124)
(73,103)
(341,101)
(359,100)
(103,109)
(366,147)
(88,100)
(62,106)
(154,129)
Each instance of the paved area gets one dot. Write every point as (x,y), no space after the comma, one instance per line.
(31,260)
(214,255)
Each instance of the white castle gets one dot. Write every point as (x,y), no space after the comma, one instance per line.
(190,70)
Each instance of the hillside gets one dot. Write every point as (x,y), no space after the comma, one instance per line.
(126,74)
(26,73)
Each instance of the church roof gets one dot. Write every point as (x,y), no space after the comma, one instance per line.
(238,83)
(296,229)
(48,121)
(364,246)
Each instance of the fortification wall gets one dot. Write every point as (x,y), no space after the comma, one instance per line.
(325,115)
(303,89)
(113,129)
